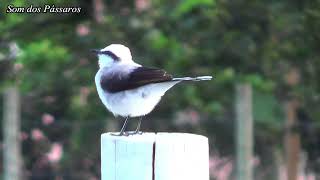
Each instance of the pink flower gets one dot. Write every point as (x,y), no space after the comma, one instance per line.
(255,161)
(82,30)
(220,167)
(142,5)
(55,153)
(58,178)
(23,136)
(194,117)
(17,67)
(188,116)
(83,61)
(84,92)
(47,119)
(37,135)
(311,177)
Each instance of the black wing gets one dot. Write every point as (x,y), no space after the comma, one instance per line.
(138,77)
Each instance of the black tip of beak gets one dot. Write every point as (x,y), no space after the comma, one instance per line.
(95,51)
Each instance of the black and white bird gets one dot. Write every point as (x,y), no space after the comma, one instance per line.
(128,89)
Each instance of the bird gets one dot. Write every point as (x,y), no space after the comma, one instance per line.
(128,89)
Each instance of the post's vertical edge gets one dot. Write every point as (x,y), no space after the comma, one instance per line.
(206,159)
(108,158)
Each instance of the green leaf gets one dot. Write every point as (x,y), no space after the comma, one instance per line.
(266,108)
(186,6)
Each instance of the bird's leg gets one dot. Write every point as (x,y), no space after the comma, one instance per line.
(137,131)
(122,131)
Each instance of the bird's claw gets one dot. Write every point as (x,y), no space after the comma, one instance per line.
(121,134)
(135,132)
(127,133)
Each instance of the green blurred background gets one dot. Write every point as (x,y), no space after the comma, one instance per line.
(274,46)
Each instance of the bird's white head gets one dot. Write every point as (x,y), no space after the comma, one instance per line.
(114,54)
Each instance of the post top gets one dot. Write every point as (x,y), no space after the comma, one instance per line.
(150,136)
(146,137)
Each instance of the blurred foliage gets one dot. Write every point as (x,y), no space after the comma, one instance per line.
(42,62)
(255,41)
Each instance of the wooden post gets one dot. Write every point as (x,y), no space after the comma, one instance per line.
(11,134)
(150,156)
(244,132)
(292,141)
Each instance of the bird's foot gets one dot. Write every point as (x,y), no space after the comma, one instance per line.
(121,134)
(135,132)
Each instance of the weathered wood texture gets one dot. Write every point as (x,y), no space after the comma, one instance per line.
(161,156)
(292,141)
(11,135)
(244,132)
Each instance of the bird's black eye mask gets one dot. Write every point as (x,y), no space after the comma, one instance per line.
(110,54)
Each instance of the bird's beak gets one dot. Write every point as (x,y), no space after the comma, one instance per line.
(95,51)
